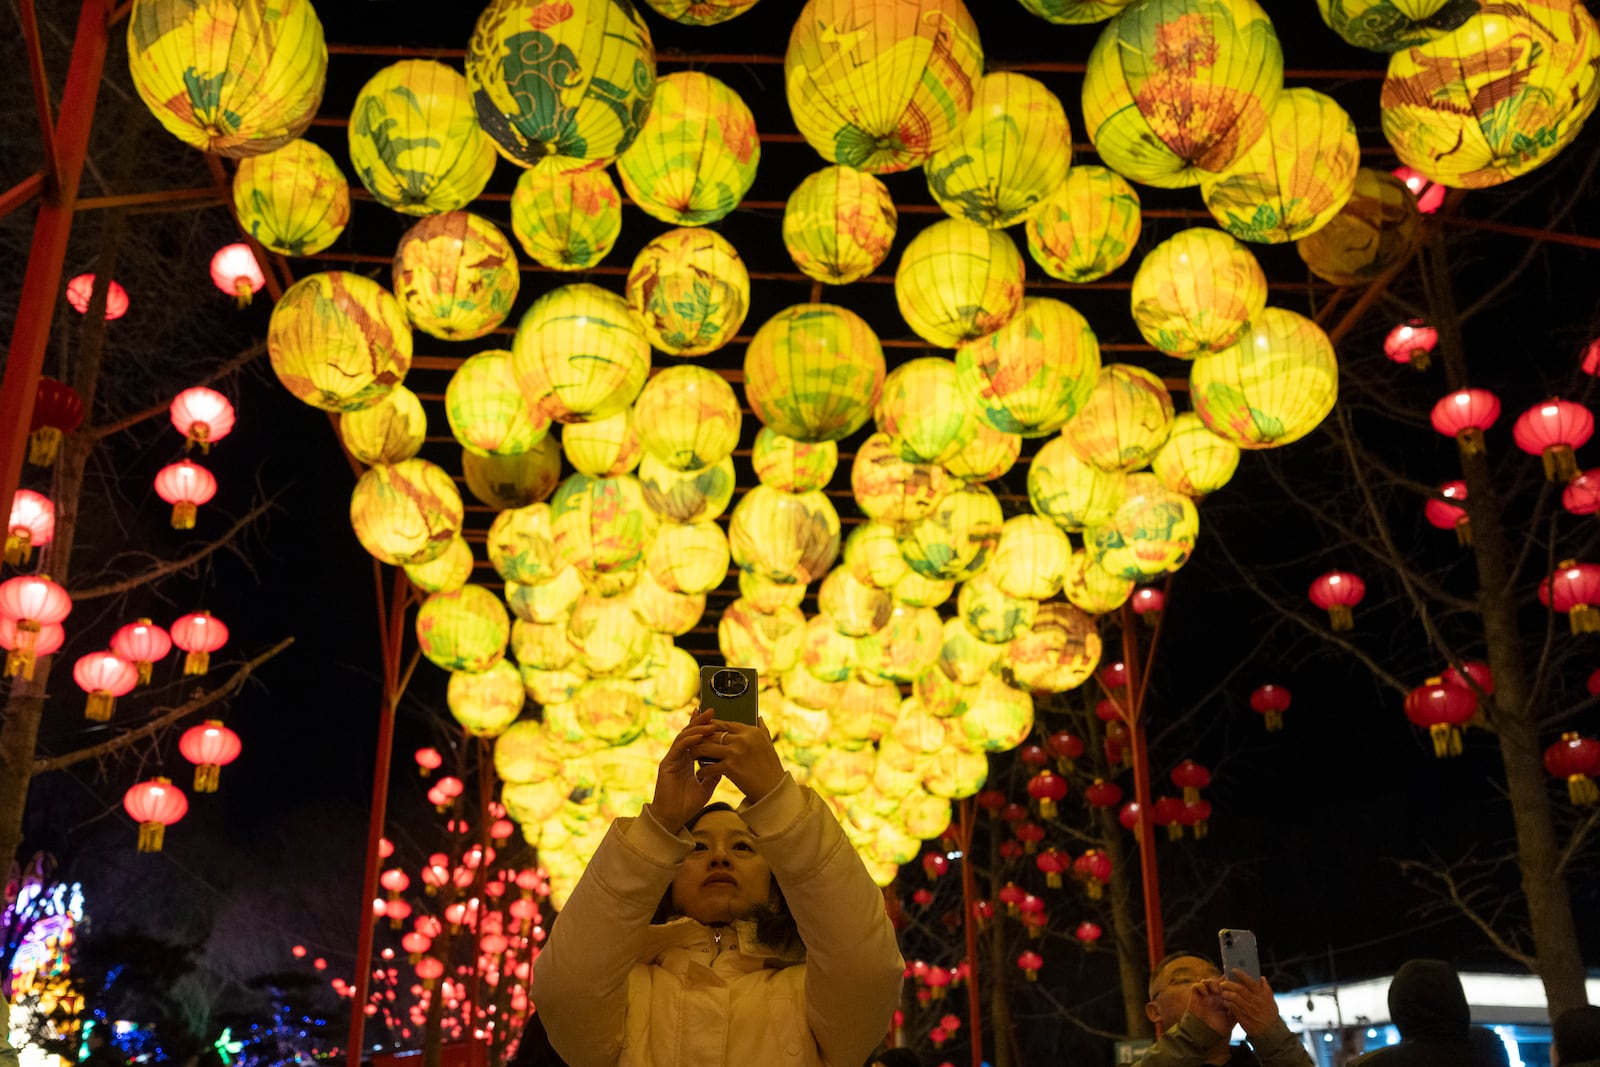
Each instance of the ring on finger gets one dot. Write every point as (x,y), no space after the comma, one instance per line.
(723,739)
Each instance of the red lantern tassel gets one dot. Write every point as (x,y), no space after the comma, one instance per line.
(1064,765)
(242,293)
(1560,465)
(1274,721)
(1047,809)
(1420,359)
(1029,847)
(99,706)
(1174,831)
(1446,740)
(151,835)
(197,663)
(144,670)
(1584,619)
(1463,531)
(43,445)
(1096,888)
(199,434)
(207,776)
(1053,879)
(1201,829)
(19,545)
(1341,619)
(1190,794)
(1470,441)
(1581,790)
(1033,976)
(183,515)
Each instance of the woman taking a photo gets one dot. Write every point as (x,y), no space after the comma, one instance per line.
(709,937)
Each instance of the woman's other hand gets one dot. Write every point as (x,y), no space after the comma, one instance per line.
(745,756)
(680,790)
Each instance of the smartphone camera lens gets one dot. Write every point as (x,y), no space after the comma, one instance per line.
(729,684)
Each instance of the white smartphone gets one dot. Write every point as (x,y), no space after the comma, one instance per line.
(1239,952)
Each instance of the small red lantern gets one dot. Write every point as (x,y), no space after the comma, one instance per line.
(1129,816)
(1011,896)
(1053,864)
(447,789)
(1094,867)
(1117,743)
(1430,194)
(80,291)
(298,952)
(185,485)
(105,676)
(32,525)
(210,747)
(199,634)
(204,416)
(430,970)
(1033,916)
(49,638)
(935,864)
(1442,514)
(1411,342)
(1591,358)
(1114,675)
(1575,589)
(155,805)
(428,761)
(57,410)
(1472,674)
(415,945)
(939,979)
(235,271)
(1271,701)
(1191,777)
(1107,710)
(1582,494)
(30,602)
(922,897)
(1065,746)
(1443,709)
(1014,812)
(1103,794)
(1048,788)
(1336,593)
(1168,812)
(1011,849)
(1030,834)
(1552,430)
(1147,604)
(1030,963)
(142,643)
(1196,816)
(1464,415)
(983,911)
(1577,759)
(1033,755)
(1087,934)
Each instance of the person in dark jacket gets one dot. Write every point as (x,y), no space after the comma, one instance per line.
(1430,1010)
(1197,1008)
(1576,1038)
(102,1053)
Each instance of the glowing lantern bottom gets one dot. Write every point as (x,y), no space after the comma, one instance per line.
(154,805)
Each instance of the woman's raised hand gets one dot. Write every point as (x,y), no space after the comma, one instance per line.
(745,756)
(680,791)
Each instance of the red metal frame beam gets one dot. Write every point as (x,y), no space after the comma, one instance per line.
(41,88)
(21,193)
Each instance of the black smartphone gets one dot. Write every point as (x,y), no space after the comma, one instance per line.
(731,693)
(1239,952)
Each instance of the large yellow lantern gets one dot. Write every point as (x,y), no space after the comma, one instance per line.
(1007,156)
(989,455)
(456,276)
(415,142)
(696,155)
(1094,589)
(1377,228)
(522,546)
(1175,88)
(813,372)
(561,85)
(1087,228)
(545,602)
(855,608)
(688,418)
(872,554)
(448,572)
(1060,651)
(338,341)
(601,525)
(687,496)
(609,710)
(1390,25)
(1034,373)
(828,658)
(514,481)
(768,641)
(566,221)
(891,489)
(999,718)
(792,466)
(1125,422)
(954,773)
(607,635)
(839,224)
(1075,12)
(700,12)
(919,591)
(1294,178)
(786,537)
(924,411)
(883,85)
(689,559)
(1497,96)
(1196,292)
(843,772)
(963,662)
(1071,492)
(602,448)
(466,630)
(903,647)
(957,282)
(1031,558)
(389,431)
(1194,461)
(230,77)
(764,594)
(664,612)
(406,513)
(294,199)
(672,684)
(486,703)
(690,290)
(580,354)
(522,754)
(543,646)
(992,615)
(1273,387)
(486,410)
(954,541)
(1152,533)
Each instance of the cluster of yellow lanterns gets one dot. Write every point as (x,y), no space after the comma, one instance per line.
(887,708)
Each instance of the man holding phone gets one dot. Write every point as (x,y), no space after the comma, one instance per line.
(1196,1009)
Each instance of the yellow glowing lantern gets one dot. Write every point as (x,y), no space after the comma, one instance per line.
(448,571)
(918,591)
(866,709)
(521,544)
(1007,156)
(828,657)
(917,730)
(338,341)
(903,647)
(990,613)
(872,553)
(466,630)
(999,717)
(1294,178)
(664,612)
(1196,292)
(890,489)
(485,408)
(522,754)
(601,525)
(606,635)
(1152,533)
(688,418)
(813,372)
(793,466)
(696,155)
(609,710)
(561,85)
(1496,97)
(1034,373)
(233,78)
(689,559)
(1125,422)
(566,221)
(545,602)
(1377,228)
(787,537)
(485,704)
(602,448)
(1195,461)
(1273,387)
(843,772)
(674,683)
(389,431)
(767,641)
(806,729)
(924,411)
(580,354)
(954,541)
(957,282)
(954,773)
(989,455)
(700,12)
(415,141)
(405,513)
(514,481)
(542,645)
(763,594)
(1058,653)
(1087,228)
(1075,12)
(855,608)
(687,496)
(690,290)
(963,662)
(456,276)
(1070,492)
(1031,558)
(1175,88)
(839,224)
(294,200)
(881,86)
(1094,589)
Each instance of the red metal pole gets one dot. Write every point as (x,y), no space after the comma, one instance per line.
(1149,876)
(969,921)
(41,286)
(22,193)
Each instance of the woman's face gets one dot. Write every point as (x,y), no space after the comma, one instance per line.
(724,879)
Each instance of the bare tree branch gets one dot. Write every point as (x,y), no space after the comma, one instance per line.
(155,410)
(1461,900)
(1575,842)
(173,566)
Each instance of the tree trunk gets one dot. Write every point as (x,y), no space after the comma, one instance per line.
(1132,969)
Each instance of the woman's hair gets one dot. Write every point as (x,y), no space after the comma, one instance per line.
(775,926)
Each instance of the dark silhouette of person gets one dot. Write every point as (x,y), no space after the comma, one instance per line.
(1430,1010)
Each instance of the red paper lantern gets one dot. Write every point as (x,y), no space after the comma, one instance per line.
(1065,746)
(49,638)
(429,970)
(1011,896)
(1577,759)
(1103,794)
(57,410)
(1168,812)
(1430,194)
(1464,415)
(1033,755)
(1552,430)
(1191,777)
(1114,675)
(1087,934)
(32,525)
(235,271)
(1054,864)
(298,952)
(1582,494)
(105,676)
(428,761)
(935,864)
(155,805)
(199,634)
(1030,834)
(1117,743)
(1411,342)
(1591,358)
(1444,515)
(1094,867)
(1443,710)
(203,416)
(80,291)
(1130,816)
(1472,673)
(1336,593)
(30,602)
(1034,917)
(1030,963)
(185,485)
(1196,816)
(210,747)
(1048,788)
(1575,589)
(142,643)
(1107,710)
(1014,812)
(939,979)
(1271,701)
(415,945)
(1147,604)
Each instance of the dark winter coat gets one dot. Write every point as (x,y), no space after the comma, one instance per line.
(1430,1010)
